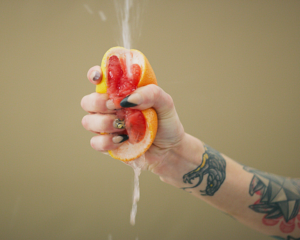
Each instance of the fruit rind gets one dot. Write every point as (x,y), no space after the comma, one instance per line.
(151,117)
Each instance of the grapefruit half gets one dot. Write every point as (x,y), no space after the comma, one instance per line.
(123,72)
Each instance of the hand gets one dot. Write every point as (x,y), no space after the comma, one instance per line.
(102,114)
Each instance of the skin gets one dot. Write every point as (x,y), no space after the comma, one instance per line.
(175,153)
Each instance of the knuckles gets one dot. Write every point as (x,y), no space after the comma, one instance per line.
(169,101)
(156,96)
(98,123)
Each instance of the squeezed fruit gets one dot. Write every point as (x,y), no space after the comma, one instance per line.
(123,72)
(120,84)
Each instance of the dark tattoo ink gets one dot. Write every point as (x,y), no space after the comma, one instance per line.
(292,238)
(288,238)
(279,197)
(278,238)
(212,164)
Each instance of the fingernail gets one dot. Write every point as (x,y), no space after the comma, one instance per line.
(110,104)
(120,138)
(131,100)
(119,124)
(95,75)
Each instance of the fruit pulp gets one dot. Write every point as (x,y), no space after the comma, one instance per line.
(121,84)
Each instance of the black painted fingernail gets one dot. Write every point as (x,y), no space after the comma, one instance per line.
(96,75)
(120,138)
(125,138)
(125,103)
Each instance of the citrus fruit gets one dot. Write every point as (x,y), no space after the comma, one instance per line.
(123,72)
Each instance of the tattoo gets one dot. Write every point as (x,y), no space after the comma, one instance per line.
(278,238)
(212,164)
(288,238)
(279,201)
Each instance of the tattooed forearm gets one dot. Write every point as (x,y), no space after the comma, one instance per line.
(279,199)
(212,164)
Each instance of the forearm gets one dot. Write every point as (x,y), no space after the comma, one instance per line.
(255,198)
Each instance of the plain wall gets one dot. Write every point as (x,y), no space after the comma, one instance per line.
(232,68)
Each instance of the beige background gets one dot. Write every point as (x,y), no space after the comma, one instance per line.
(232,68)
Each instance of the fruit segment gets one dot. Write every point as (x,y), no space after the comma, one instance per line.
(135,124)
(120,84)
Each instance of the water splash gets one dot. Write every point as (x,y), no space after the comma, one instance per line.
(100,13)
(129,14)
(87,7)
(123,13)
(138,165)
(102,16)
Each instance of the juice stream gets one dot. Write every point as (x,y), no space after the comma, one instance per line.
(137,165)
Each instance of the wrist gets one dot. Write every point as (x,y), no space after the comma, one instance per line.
(189,150)
(186,156)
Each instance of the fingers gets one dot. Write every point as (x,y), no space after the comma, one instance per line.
(96,103)
(103,121)
(100,123)
(95,75)
(107,142)
(149,96)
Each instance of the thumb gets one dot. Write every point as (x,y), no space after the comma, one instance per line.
(147,97)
